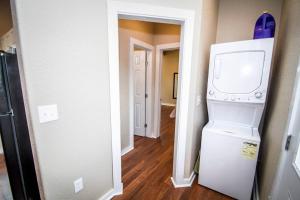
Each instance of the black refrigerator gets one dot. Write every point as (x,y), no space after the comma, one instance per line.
(15,139)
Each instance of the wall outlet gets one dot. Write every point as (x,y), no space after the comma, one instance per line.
(48,113)
(78,185)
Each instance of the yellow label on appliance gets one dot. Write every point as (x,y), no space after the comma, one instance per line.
(249,150)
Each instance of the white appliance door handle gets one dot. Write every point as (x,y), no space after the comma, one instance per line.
(217,68)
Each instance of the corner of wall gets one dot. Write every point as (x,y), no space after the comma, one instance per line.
(207,34)
(285,66)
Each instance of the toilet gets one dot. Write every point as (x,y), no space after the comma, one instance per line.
(238,82)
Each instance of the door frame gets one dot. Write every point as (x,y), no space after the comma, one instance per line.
(157,104)
(149,48)
(152,13)
(290,123)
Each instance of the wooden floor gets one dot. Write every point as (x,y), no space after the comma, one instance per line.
(147,169)
(2,163)
(5,192)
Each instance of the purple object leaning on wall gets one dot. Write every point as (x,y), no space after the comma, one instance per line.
(264,26)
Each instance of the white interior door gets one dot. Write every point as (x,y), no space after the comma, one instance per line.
(289,183)
(139,75)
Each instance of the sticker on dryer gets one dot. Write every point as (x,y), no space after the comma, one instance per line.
(249,150)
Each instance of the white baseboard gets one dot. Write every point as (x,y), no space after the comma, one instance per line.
(118,190)
(126,150)
(168,104)
(112,192)
(187,182)
(154,136)
(109,195)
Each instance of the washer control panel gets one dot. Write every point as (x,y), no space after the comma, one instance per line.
(255,97)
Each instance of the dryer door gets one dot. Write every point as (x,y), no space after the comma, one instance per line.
(238,72)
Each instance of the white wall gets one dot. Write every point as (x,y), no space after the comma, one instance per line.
(64,51)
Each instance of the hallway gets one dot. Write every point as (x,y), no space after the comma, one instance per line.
(147,169)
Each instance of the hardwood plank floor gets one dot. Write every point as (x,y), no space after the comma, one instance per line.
(5,191)
(147,170)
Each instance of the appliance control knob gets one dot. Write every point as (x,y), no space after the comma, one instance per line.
(232,98)
(258,95)
(211,92)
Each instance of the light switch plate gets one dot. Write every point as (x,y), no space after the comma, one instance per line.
(78,185)
(47,113)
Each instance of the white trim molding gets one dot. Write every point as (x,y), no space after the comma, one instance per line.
(188,182)
(148,12)
(109,195)
(168,104)
(113,48)
(127,150)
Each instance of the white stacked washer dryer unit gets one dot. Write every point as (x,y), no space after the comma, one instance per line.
(239,74)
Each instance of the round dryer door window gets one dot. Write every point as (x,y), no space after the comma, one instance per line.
(238,72)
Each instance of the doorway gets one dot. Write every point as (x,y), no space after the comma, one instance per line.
(140,88)
(182,17)
(138,82)
(160,51)
(136,65)
(140,164)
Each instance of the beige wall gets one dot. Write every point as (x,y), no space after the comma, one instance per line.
(5,22)
(281,91)
(170,62)
(5,17)
(166,33)
(8,40)
(198,116)
(64,51)
(237,18)
(75,34)
(151,33)
(142,31)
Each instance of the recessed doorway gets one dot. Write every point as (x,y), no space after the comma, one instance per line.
(184,18)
